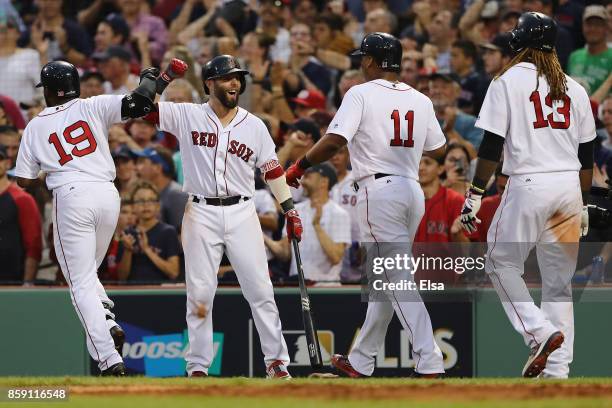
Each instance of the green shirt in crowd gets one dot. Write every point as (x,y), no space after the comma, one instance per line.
(590,70)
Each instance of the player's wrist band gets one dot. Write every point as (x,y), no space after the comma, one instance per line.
(304,164)
(287,205)
(477,189)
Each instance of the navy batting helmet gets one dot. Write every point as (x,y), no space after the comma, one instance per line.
(221,66)
(534,30)
(384,48)
(61,78)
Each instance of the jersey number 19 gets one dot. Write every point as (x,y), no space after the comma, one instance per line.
(86,134)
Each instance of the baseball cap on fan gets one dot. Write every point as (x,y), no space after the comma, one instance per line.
(310,99)
(325,170)
(307,126)
(152,154)
(446,76)
(595,10)
(501,43)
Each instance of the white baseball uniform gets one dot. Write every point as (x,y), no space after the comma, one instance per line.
(542,203)
(220,162)
(344,194)
(70,143)
(264,205)
(387,126)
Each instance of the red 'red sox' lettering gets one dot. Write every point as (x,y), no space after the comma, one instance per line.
(203,139)
(240,149)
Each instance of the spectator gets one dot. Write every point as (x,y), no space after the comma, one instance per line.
(410,71)
(155,165)
(456,168)
(606,118)
(592,64)
(489,206)
(109,269)
(19,67)
(480,22)
(496,55)
(565,42)
(10,114)
(143,133)
(303,135)
(270,18)
(151,28)
(113,30)
(92,84)
(379,20)
(152,248)
(114,65)
(126,171)
(308,102)
(343,193)
(463,64)
(442,33)
(327,230)
(304,11)
(32,110)
(96,10)
(508,21)
(193,70)
(328,34)
(20,229)
(441,221)
(444,93)
(57,36)
(303,63)
(9,139)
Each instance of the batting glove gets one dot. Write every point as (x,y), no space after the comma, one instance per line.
(293,174)
(471,206)
(294,225)
(584,221)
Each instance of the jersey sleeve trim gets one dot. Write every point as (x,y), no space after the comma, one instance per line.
(434,147)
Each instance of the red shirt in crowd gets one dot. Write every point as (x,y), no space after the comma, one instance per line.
(487,211)
(441,211)
(20,232)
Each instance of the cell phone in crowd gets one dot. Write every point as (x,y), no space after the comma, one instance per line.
(459,167)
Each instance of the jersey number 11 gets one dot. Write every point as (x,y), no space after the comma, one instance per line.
(397,139)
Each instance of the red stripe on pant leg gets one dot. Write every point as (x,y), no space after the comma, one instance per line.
(59,238)
(494,267)
(393,293)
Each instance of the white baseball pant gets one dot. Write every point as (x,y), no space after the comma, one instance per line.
(84,218)
(541,210)
(390,210)
(207,232)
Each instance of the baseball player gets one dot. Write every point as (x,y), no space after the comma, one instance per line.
(68,141)
(387,126)
(221,145)
(542,121)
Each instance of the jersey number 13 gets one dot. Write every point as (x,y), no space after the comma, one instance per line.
(85,134)
(563,110)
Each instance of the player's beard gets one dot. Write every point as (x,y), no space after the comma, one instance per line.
(225,99)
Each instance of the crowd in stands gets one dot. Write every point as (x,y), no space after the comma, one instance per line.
(297,54)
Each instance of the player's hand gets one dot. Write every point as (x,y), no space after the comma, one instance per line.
(584,221)
(294,225)
(152,73)
(293,174)
(471,206)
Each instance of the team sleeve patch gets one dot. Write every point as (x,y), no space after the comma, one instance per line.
(272,169)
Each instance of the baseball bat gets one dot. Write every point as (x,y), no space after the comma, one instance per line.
(312,339)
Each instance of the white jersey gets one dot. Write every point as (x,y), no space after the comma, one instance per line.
(541,137)
(335,222)
(217,161)
(70,142)
(345,195)
(387,126)
(264,205)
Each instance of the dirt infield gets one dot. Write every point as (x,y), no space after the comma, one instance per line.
(360,391)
